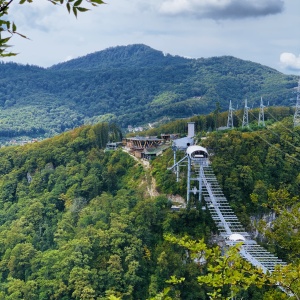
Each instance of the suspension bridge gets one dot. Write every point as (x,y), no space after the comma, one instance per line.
(205,184)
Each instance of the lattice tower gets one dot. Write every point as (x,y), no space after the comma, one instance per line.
(297,109)
(230,116)
(261,117)
(246,116)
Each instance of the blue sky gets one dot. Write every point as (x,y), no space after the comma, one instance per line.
(262,31)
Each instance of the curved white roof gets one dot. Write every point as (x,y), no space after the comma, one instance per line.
(183,143)
(236,237)
(192,149)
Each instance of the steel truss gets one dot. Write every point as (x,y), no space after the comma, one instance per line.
(261,116)
(201,174)
(228,224)
(246,115)
(230,116)
(297,109)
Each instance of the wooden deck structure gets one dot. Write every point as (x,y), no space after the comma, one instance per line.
(141,143)
(145,147)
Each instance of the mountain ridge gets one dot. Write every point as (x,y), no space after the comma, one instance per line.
(139,53)
(130,85)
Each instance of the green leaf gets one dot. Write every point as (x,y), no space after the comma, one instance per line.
(78,2)
(75,11)
(97,1)
(4,41)
(8,54)
(22,35)
(82,9)
(68,7)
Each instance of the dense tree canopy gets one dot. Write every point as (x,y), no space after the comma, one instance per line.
(135,85)
(78,222)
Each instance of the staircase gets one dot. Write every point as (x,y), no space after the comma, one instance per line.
(229,226)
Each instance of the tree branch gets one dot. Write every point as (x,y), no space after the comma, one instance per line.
(4,7)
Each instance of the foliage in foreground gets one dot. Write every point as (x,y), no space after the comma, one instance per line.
(10,28)
(227,275)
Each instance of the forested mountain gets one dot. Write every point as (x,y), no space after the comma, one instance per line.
(130,85)
(79,223)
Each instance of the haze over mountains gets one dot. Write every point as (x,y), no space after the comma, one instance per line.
(131,85)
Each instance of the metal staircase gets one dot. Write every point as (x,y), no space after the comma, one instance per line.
(220,210)
(229,225)
(230,229)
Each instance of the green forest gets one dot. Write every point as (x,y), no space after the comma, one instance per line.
(131,85)
(79,222)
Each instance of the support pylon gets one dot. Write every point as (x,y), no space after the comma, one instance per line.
(230,229)
(297,110)
(230,116)
(246,116)
(261,117)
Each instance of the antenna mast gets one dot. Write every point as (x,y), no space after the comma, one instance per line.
(245,116)
(230,116)
(261,117)
(297,110)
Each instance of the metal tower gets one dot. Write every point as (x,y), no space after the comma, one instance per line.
(230,229)
(297,110)
(261,117)
(230,116)
(245,116)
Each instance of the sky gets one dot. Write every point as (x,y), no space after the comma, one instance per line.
(262,31)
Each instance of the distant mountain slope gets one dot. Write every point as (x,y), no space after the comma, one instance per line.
(121,56)
(131,85)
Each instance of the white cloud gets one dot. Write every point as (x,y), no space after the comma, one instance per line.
(55,35)
(290,61)
(69,57)
(222,9)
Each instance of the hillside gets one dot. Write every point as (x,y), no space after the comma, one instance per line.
(77,222)
(131,85)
